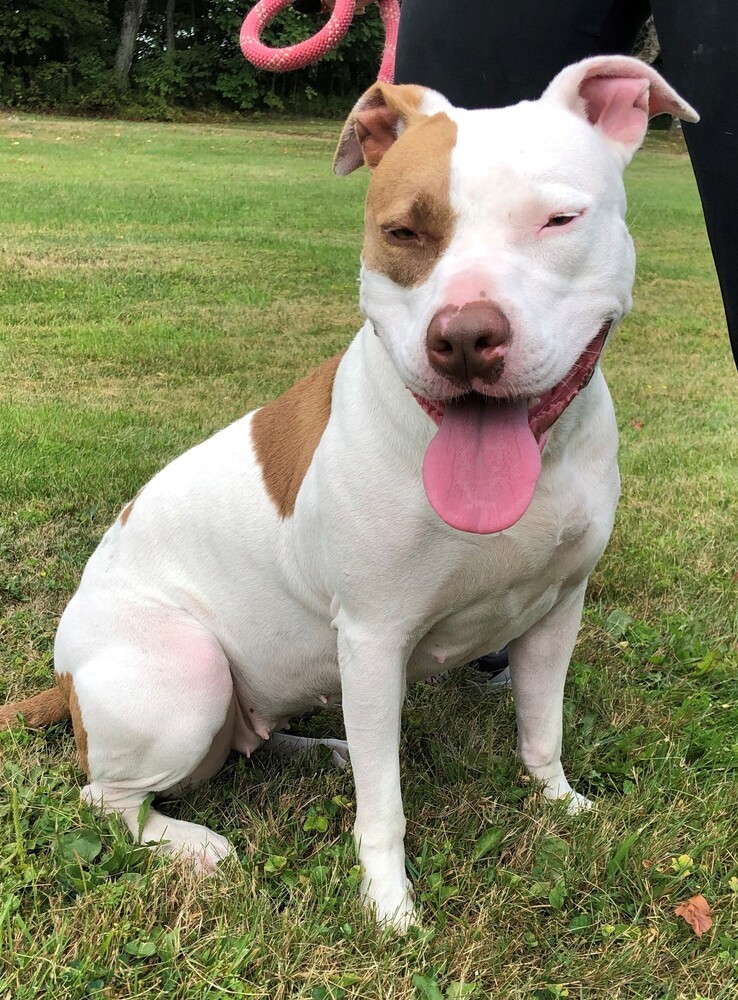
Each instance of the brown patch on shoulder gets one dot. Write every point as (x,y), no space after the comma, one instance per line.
(128,508)
(410,189)
(65,683)
(287,431)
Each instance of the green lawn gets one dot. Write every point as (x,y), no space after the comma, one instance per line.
(159,281)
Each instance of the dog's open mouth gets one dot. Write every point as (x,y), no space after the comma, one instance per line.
(482,467)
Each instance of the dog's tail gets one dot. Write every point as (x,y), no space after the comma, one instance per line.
(41,710)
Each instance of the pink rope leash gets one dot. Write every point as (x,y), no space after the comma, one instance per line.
(330,35)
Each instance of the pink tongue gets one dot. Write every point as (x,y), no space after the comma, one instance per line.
(481,469)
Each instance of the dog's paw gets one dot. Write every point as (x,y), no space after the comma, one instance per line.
(295,746)
(557,789)
(576,803)
(194,844)
(392,907)
(339,752)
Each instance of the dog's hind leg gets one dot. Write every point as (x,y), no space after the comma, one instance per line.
(287,745)
(539,660)
(156,719)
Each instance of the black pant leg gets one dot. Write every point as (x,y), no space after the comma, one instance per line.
(699,40)
(490,53)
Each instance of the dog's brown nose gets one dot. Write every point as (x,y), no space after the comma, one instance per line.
(468,342)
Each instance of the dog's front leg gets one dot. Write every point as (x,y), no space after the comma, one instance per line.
(372,693)
(539,660)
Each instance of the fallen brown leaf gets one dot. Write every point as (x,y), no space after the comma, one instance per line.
(637,425)
(696,911)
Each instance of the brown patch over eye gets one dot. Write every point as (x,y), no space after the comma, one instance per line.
(409,218)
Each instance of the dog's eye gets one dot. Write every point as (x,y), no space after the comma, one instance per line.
(401,235)
(560,220)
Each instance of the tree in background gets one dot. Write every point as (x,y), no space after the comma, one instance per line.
(55,53)
(154,58)
(131,22)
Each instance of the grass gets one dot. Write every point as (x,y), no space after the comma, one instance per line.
(159,281)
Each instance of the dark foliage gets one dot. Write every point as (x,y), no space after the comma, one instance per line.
(60,56)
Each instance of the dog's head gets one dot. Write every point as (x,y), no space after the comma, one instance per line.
(496,257)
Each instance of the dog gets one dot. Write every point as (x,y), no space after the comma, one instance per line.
(442,488)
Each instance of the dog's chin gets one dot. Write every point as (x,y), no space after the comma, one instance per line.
(544,408)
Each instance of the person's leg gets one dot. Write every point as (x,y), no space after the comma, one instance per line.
(699,41)
(490,53)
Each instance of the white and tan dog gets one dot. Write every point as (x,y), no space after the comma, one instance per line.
(443,488)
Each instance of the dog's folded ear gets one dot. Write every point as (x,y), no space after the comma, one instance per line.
(617,94)
(378,119)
